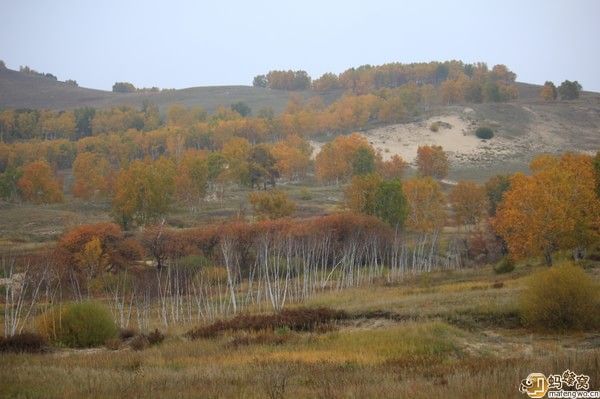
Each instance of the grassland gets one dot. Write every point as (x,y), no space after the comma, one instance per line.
(443,334)
(20,90)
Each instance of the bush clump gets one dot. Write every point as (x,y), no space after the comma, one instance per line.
(155,337)
(78,325)
(139,343)
(299,319)
(24,342)
(561,298)
(484,133)
(506,265)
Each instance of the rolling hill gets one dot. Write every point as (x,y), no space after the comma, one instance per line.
(20,90)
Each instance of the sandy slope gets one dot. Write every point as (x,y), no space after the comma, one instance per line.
(521,131)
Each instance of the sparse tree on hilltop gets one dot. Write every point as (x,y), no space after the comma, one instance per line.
(569,90)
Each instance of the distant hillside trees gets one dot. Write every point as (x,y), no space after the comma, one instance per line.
(327,81)
(25,69)
(241,108)
(2,65)
(549,92)
(569,90)
(260,81)
(71,82)
(83,120)
(123,87)
(284,80)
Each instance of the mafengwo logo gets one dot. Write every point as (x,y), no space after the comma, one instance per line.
(566,385)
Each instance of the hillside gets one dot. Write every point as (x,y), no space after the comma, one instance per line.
(522,129)
(19,90)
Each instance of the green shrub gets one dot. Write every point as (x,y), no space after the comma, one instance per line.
(305,194)
(506,265)
(561,298)
(484,133)
(79,325)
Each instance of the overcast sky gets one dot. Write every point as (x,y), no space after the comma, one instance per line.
(177,44)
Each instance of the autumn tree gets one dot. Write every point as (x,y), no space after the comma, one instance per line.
(327,81)
(92,174)
(144,191)
(393,168)
(191,179)
(548,92)
(360,194)
(432,161)
(272,204)
(92,249)
(292,157)
(334,163)
(38,184)
(554,208)
(468,202)
(426,205)
(236,152)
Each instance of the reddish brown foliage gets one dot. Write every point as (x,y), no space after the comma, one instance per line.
(299,319)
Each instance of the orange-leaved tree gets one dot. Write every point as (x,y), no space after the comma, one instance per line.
(554,208)
(432,161)
(38,184)
(469,203)
(426,205)
(335,161)
(92,176)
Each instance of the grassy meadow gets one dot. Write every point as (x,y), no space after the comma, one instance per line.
(453,334)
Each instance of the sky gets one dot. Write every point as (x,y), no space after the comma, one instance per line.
(178,43)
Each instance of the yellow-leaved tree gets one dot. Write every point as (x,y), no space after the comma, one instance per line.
(554,208)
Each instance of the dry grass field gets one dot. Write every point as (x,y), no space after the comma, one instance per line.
(444,334)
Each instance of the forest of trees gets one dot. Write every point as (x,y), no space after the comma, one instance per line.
(142,165)
(456,81)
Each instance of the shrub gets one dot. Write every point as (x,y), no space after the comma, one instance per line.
(155,337)
(305,194)
(299,319)
(85,324)
(126,333)
(484,133)
(506,265)
(24,342)
(139,342)
(561,298)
